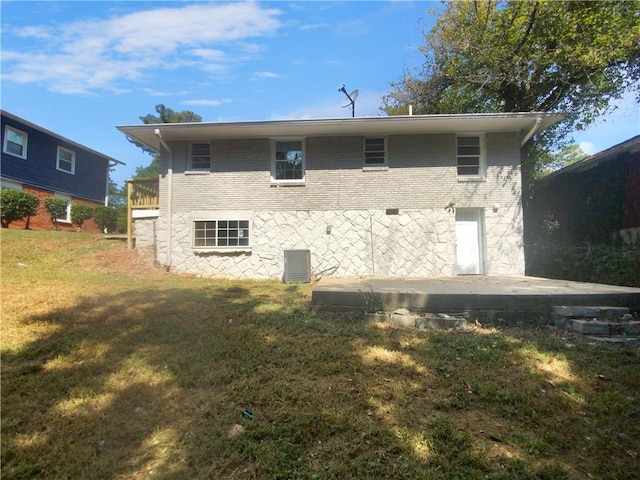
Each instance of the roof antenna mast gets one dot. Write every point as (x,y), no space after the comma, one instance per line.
(352,99)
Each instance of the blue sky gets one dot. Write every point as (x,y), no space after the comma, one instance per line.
(81,68)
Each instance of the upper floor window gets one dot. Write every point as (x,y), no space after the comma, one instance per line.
(375,152)
(200,156)
(15,142)
(288,162)
(470,157)
(66,161)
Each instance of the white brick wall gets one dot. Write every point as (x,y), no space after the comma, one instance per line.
(421,181)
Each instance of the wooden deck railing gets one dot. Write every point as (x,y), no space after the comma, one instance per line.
(141,195)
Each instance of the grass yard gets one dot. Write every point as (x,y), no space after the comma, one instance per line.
(113,369)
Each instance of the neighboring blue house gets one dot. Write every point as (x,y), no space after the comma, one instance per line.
(49,165)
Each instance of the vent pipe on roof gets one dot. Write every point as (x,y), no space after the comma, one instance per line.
(531,132)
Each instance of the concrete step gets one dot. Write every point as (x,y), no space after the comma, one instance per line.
(603,323)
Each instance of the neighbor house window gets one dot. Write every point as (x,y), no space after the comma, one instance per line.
(66,160)
(470,156)
(220,233)
(15,142)
(67,198)
(375,152)
(200,156)
(288,161)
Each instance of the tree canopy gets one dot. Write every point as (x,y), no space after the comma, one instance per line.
(575,57)
(164,115)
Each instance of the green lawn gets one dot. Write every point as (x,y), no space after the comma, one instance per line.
(112,369)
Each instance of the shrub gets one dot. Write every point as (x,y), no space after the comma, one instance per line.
(610,264)
(56,208)
(17,204)
(105,218)
(80,212)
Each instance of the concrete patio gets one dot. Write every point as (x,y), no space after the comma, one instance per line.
(481,297)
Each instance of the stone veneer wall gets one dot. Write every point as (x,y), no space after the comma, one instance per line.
(414,243)
(145,232)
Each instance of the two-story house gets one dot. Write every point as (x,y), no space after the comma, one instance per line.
(401,196)
(46,164)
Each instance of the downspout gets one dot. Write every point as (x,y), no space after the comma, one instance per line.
(531,132)
(169,197)
(106,195)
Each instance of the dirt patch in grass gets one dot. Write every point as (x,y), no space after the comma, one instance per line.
(123,261)
(112,369)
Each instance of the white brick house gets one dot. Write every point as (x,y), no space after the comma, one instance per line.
(403,196)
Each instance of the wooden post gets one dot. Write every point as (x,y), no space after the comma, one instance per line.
(129,216)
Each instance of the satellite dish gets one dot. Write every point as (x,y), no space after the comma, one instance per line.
(352,99)
(352,96)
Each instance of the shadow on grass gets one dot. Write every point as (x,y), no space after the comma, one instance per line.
(150,382)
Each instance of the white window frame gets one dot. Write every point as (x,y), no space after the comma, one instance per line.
(67,198)
(375,165)
(218,225)
(73,160)
(190,166)
(481,157)
(15,130)
(274,146)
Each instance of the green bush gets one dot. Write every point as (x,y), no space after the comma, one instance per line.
(56,208)
(80,213)
(16,205)
(608,264)
(106,218)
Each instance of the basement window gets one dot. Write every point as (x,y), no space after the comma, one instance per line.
(224,234)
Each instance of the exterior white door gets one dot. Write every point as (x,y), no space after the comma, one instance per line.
(468,242)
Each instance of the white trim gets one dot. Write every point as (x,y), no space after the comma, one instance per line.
(4,183)
(8,127)
(139,213)
(482,160)
(297,181)
(190,168)
(223,248)
(385,147)
(370,126)
(73,160)
(68,198)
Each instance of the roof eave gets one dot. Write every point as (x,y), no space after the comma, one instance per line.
(391,125)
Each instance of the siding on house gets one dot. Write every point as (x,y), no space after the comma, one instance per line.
(89,181)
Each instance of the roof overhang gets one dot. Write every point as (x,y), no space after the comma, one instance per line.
(616,152)
(523,123)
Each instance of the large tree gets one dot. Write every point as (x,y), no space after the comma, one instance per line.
(164,115)
(575,57)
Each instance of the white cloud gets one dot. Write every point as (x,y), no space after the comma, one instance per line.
(87,56)
(266,75)
(314,26)
(205,103)
(367,105)
(588,147)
